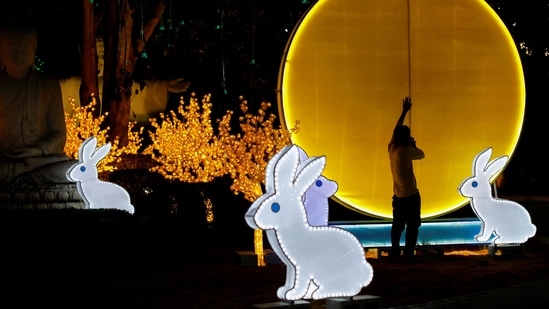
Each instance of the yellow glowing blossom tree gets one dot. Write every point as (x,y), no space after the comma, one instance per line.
(185,145)
(81,124)
(248,152)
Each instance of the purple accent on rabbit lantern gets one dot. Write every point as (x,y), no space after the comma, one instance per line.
(321,261)
(316,197)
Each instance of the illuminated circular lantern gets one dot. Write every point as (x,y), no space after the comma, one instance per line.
(347,67)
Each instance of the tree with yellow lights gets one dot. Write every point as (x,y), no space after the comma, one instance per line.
(185,145)
(248,152)
(81,124)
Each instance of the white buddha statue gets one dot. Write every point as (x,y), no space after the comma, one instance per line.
(32,123)
(146,103)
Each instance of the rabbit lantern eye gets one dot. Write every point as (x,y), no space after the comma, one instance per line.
(82,168)
(275,207)
(318,183)
(474,184)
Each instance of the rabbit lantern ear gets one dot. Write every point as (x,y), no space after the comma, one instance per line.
(88,153)
(270,173)
(285,169)
(100,153)
(496,166)
(87,148)
(481,161)
(309,171)
(289,172)
(302,154)
(482,167)
(270,170)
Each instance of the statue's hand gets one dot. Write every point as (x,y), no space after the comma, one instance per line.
(26,152)
(40,161)
(178,85)
(31,163)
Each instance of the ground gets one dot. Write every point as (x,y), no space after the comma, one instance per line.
(158,259)
(93,271)
(220,282)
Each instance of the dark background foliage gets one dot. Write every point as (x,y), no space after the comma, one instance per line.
(233,48)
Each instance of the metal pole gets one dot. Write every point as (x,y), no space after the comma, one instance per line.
(409,61)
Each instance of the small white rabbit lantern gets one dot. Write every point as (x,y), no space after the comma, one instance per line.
(96,193)
(316,197)
(509,221)
(321,261)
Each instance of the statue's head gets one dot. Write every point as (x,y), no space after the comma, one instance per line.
(100,47)
(17,49)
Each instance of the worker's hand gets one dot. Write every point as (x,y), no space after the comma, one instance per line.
(406,104)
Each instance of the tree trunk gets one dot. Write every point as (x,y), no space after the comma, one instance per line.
(117,83)
(110,54)
(88,58)
(121,53)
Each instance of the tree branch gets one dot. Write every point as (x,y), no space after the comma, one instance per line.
(148,28)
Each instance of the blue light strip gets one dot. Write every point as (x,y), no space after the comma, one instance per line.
(377,234)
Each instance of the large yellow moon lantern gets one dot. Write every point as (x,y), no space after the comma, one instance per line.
(347,67)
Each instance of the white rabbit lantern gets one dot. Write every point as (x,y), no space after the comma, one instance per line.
(321,261)
(96,193)
(509,221)
(316,197)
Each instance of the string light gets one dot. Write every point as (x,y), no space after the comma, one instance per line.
(247,153)
(141,32)
(308,251)
(220,28)
(258,247)
(81,124)
(508,221)
(184,144)
(209,209)
(252,61)
(38,64)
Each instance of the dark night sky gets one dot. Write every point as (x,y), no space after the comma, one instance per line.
(202,33)
(528,23)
